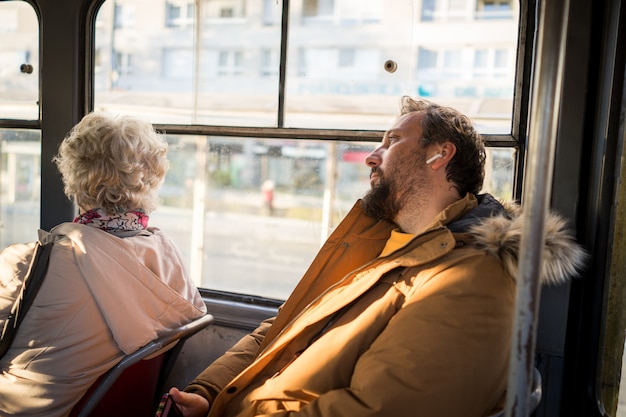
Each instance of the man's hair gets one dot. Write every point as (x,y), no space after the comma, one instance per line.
(466,170)
(116,163)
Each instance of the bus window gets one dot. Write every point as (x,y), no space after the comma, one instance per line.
(252,208)
(19,61)
(20,178)
(249,214)
(20,161)
(347,61)
(221,71)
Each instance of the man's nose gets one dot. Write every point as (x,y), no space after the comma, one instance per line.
(374,158)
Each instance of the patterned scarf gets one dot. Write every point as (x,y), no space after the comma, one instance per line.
(131,220)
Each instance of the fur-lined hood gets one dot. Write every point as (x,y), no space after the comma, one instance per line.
(497,228)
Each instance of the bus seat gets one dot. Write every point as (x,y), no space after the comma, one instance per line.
(130,388)
(535,395)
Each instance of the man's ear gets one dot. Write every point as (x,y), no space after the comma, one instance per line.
(447,152)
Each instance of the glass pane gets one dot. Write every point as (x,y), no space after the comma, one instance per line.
(499,170)
(249,215)
(428,56)
(19,61)
(20,178)
(252,213)
(348,61)
(159,68)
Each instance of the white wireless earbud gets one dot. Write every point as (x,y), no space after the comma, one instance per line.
(432,158)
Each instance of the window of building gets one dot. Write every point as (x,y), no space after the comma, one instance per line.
(481,57)
(123,63)
(491,64)
(271,12)
(428,10)
(452,59)
(179,14)
(229,63)
(346,58)
(480,72)
(501,59)
(426,58)
(459,9)
(223,10)
(446,10)
(494,9)
(124,15)
(343,12)
(356,11)
(270,61)
(317,8)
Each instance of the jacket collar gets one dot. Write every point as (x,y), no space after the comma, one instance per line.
(486,224)
(462,214)
(500,233)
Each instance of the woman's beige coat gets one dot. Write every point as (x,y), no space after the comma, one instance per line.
(422,332)
(103,296)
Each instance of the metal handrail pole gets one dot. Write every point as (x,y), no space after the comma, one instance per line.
(544,112)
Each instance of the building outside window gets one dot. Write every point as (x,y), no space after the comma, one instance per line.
(124,16)
(179,14)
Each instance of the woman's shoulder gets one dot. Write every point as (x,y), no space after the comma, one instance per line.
(14,263)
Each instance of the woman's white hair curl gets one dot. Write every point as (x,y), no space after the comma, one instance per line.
(113,162)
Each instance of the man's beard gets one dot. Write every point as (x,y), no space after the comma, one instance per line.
(379,202)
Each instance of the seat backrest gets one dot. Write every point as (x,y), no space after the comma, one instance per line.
(129,389)
(535,395)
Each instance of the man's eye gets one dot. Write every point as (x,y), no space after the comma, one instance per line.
(392,139)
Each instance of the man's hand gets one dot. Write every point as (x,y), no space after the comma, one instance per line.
(191,405)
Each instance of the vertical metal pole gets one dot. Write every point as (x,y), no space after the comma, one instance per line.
(200,179)
(330,184)
(197,50)
(545,106)
(198,211)
(282,69)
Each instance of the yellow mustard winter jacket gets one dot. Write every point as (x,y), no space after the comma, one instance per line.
(423,332)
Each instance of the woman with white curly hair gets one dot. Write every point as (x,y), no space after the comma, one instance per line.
(113,284)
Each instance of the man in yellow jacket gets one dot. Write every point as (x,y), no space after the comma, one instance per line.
(407,310)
